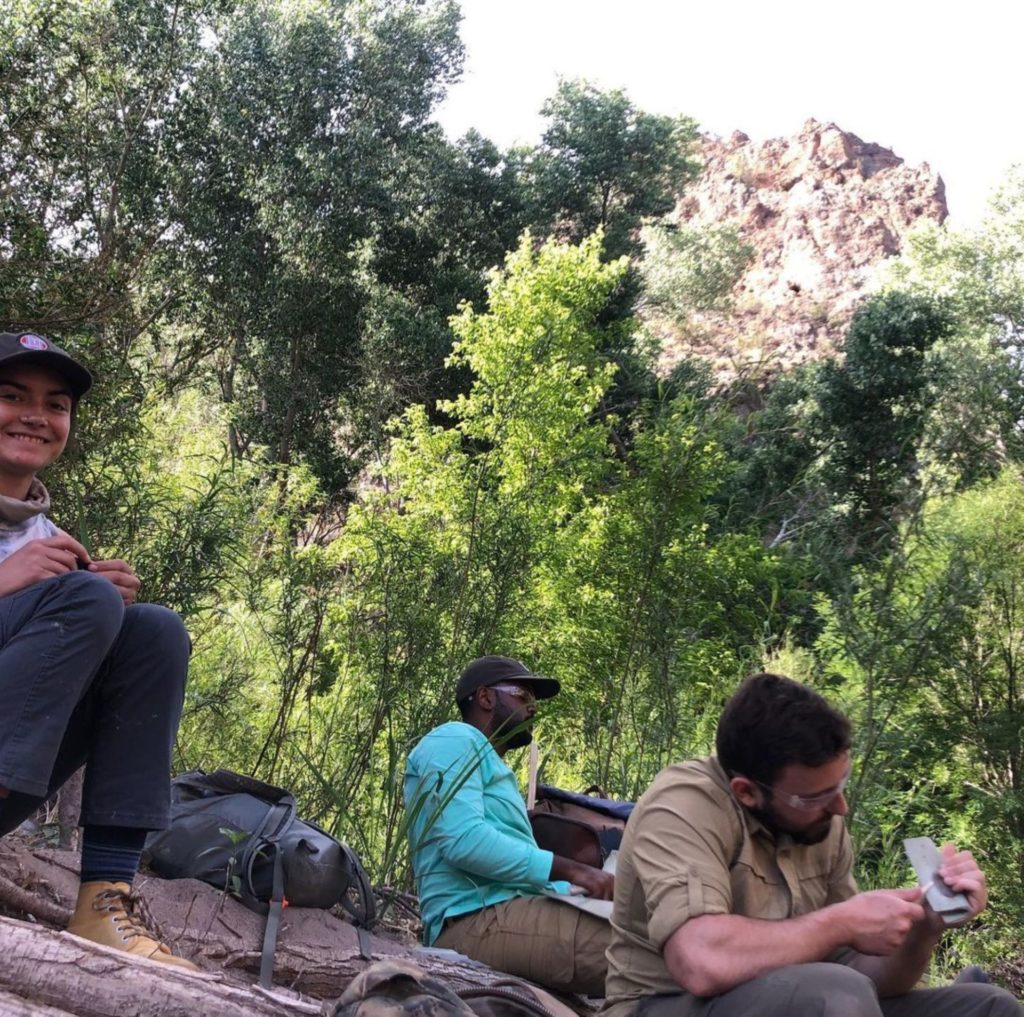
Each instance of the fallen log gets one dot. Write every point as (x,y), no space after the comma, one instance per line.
(318,952)
(15,1006)
(63,973)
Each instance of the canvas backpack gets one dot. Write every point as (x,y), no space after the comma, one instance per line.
(585,827)
(399,988)
(245,837)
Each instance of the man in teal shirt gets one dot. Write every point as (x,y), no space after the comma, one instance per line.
(480,875)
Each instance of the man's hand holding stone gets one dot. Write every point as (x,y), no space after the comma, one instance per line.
(960,872)
(880,920)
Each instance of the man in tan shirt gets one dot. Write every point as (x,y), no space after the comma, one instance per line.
(734,891)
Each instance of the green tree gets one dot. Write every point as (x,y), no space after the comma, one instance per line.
(927,657)
(975,429)
(872,411)
(90,114)
(687,271)
(833,458)
(605,164)
(292,204)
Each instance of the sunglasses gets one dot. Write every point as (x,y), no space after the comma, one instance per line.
(526,695)
(808,803)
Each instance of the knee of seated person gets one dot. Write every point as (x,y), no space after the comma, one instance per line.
(94,596)
(161,628)
(836,990)
(983,998)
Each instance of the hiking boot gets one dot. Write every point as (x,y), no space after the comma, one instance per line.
(109,914)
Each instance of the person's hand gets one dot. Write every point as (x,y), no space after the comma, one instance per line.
(121,575)
(879,920)
(960,872)
(596,882)
(38,560)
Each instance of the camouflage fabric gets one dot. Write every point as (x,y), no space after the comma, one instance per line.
(395,988)
(399,988)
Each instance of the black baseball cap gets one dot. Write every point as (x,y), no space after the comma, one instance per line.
(29,348)
(495,670)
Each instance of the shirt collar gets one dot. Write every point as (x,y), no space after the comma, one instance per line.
(15,510)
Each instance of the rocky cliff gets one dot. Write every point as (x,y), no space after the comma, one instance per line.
(822,211)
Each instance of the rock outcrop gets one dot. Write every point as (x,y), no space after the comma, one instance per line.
(822,211)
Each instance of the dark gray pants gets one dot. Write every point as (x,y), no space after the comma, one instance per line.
(833,990)
(83,679)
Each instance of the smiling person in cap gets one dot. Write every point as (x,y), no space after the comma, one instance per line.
(479,872)
(87,675)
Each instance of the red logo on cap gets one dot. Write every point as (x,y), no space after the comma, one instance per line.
(33,342)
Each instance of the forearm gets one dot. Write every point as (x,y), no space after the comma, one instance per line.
(566,869)
(595,882)
(897,973)
(712,954)
(485,851)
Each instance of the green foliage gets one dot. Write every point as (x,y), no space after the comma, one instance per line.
(604,164)
(315,118)
(354,457)
(928,653)
(688,270)
(975,430)
(872,410)
(655,620)
(90,114)
(833,459)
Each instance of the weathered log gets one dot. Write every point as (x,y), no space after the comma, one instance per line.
(59,971)
(16,1006)
(16,898)
(318,953)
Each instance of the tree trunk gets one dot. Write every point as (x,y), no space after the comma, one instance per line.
(16,1006)
(54,970)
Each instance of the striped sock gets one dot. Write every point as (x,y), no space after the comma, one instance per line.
(111,853)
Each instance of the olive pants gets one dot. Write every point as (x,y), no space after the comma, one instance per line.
(536,938)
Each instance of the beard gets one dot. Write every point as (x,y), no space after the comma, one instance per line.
(512,729)
(813,833)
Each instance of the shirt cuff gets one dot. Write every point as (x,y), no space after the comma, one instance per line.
(683,902)
(539,867)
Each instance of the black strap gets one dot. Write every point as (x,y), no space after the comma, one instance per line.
(275,823)
(364,912)
(268,839)
(365,944)
(273,921)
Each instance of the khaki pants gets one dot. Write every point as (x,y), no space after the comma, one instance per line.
(833,990)
(538,939)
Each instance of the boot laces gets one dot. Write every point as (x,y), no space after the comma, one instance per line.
(131,918)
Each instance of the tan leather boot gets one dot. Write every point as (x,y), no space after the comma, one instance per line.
(108,913)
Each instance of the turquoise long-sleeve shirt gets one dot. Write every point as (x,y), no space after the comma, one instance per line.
(469,835)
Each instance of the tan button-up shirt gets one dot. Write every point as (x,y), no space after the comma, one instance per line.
(690,849)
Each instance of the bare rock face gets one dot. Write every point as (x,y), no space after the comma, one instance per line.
(822,211)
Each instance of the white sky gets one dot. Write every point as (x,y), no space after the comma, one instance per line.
(937,82)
